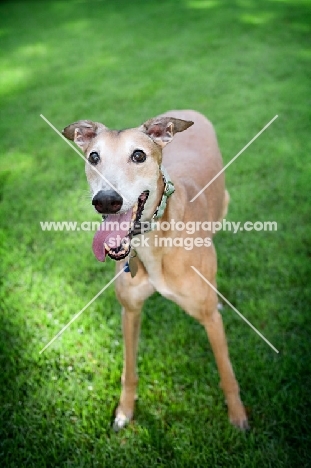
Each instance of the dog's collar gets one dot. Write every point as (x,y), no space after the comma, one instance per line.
(169,189)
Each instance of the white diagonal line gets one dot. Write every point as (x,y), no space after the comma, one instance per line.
(235,310)
(235,157)
(80,154)
(79,313)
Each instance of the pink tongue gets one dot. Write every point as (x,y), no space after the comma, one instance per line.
(111,231)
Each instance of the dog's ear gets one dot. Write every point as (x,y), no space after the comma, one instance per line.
(163,129)
(82,132)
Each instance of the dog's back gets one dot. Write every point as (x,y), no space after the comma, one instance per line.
(192,160)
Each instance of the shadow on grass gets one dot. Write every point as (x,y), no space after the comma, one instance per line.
(41,53)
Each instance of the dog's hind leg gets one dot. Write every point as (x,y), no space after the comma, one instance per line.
(131,293)
(204,309)
(216,334)
(213,325)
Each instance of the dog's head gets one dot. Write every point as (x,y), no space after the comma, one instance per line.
(123,164)
(123,167)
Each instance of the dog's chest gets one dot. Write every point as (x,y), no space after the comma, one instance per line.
(153,265)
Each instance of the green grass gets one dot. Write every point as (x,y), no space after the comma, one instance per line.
(239,62)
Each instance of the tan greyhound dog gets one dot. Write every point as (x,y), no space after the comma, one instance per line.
(135,189)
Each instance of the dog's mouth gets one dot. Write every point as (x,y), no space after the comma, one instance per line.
(114,235)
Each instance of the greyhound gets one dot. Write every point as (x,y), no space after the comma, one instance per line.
(127,171)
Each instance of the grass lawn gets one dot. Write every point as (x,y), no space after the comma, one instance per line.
(240,62)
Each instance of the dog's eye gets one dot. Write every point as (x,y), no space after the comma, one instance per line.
(138,156)
(94,158)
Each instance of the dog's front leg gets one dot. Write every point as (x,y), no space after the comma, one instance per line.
(131,328)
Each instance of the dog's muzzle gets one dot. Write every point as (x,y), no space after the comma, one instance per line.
(107,201)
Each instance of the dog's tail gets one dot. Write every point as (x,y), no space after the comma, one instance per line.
(226,201)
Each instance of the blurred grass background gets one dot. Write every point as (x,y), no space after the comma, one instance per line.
(240,62)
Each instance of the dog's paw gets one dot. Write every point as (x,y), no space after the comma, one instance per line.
(240,423)
(120,421)
(238,418)
(237,413)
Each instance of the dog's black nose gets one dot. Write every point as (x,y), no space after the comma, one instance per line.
(107,201)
